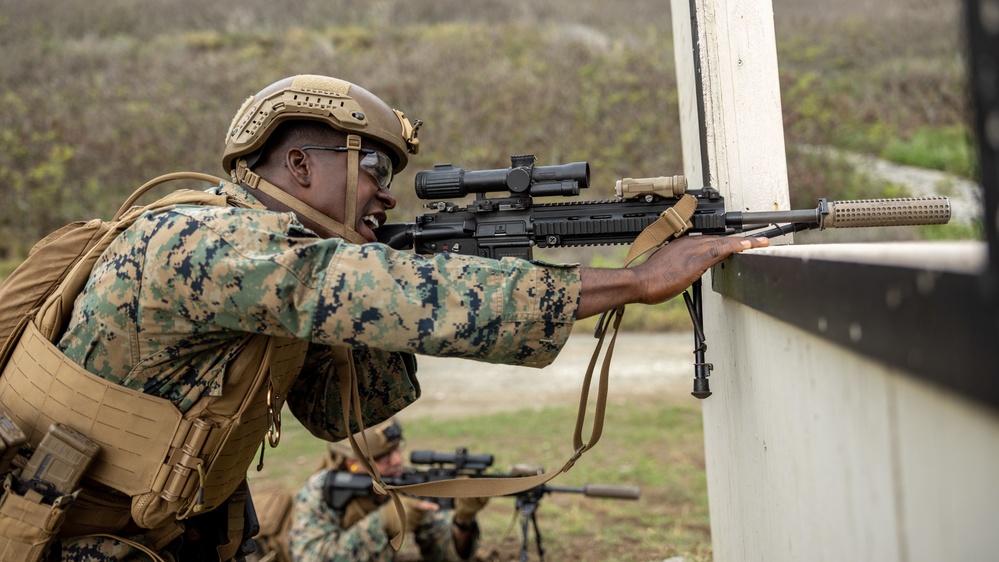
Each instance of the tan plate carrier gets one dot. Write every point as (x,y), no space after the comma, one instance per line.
(172,465)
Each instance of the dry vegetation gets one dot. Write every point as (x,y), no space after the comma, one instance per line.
(100,97)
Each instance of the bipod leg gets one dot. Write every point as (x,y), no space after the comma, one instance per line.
(537,536)
(702,369)
(526,515)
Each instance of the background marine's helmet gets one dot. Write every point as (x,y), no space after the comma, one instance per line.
(382,438)
(344,106)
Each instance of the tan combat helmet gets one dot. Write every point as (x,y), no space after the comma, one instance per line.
(342,105)
(381,439)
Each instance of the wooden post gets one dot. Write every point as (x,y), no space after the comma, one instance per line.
(813,451)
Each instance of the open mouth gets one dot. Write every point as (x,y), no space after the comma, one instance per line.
(372,221)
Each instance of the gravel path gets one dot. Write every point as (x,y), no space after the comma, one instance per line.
(965,195)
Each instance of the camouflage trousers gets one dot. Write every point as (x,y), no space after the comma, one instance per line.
(103,549)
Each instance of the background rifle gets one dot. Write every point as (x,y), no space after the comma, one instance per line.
(341,486)
(512,225)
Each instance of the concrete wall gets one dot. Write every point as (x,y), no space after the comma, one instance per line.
(813,452)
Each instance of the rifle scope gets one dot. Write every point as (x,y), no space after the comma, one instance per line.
(523,177)
(460,459)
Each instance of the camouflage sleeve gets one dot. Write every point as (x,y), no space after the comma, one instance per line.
(170,302)
(316,534)
(387,381)
(502,311)
(258,272)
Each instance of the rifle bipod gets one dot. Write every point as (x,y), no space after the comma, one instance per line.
(527,506)
(702,370)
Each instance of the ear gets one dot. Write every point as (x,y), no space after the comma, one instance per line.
(299,165)
(353,466)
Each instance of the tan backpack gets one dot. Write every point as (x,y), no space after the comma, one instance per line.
(75,248)
(35,302)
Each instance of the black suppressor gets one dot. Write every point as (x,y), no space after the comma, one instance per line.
(521,178)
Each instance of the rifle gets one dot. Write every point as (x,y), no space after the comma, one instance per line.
(512,225)
(340,487)
(528,500)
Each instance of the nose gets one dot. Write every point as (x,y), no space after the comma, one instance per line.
(387,199)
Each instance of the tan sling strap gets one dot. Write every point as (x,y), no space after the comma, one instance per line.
(671,224)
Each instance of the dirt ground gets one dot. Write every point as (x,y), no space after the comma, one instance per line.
(659,365)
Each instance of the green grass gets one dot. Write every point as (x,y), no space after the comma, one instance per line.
(949,149)
(654,446)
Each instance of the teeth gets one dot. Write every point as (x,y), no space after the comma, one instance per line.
(371,220)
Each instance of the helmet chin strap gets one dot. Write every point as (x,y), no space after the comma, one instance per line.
(254,181)
(353,166)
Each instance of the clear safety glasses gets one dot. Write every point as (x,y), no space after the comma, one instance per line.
(375,162)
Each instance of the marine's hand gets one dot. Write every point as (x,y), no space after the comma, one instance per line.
(669,271)
(666,273)
(466,508)
(415,510)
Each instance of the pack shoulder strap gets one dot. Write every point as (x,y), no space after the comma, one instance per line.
(55,311)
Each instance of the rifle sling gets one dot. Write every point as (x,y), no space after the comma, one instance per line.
(672,223)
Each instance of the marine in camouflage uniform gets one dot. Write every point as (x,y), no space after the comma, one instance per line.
(322,531)
(317,533)
(177,296)
(171,300)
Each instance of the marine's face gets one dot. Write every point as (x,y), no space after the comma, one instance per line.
(390,464)
(373,200)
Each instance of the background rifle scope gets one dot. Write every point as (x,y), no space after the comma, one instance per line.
(461,458)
